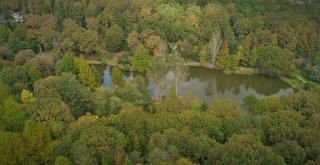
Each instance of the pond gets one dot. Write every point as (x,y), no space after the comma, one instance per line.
(208,84)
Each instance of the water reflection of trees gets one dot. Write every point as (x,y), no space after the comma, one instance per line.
(216,81)
(232,82)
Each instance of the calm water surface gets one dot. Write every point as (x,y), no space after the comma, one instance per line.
(210,84)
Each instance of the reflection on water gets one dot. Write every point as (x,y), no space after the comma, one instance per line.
(210,84)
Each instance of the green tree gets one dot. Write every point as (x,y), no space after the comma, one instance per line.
(232,63)
(157,73)
(23,56)
(250,103)
(315,73)
(117,77)
(223,56)
(33,72)
(80,154)
(141,58)
(245,149)
(44,63)
(13,116)
(52,113)
(89,41)
(93,24)
(86,75)
(133,40)
(114,37)
(104,143)
(292,152)
(5,53)
(20,41)
(26,96)
(247,59)
(274,62)
(37,148)
(16,77)
(66,64)
(69,90)
(226,109)
(10,146)
(179,69)
(61,160)
(4,33)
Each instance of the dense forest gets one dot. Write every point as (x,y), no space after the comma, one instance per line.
(53,109)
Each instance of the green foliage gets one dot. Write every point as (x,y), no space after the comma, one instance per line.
(10,146)
(226,109)
(70,120)
(39,147)
(156,74)
(61,160)
(23,56)
(274,62)
(292,152)
(114,37)
(69,90)
(16,77)
(250,103)
(86,74)
(223,57)
(33,72)
(246,149)
(133,91)
(26,96)
(13,116)
(52,113)
(247,57)
(315,73)
(232,63)
(19,41)
(103,142)
(141,58)
(117,77)
(4,33)
(66,64)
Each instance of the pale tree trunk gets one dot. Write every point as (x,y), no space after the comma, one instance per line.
(176,86)
(40,48)
(215,45)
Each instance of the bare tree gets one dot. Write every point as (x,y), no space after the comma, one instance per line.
(157,75)
(179,69)
(215,44)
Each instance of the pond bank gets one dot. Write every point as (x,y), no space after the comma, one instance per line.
(209,84)
(207,65)
(296,83)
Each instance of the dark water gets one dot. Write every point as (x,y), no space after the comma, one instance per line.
(210,84)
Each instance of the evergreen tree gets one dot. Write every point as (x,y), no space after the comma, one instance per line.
(141,58)
(223,57)
(86,75)
(66,64)
(117,77)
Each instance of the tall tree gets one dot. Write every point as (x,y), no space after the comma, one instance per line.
(275,62)
(179,69)
(66,64)
(114,37)
(223,56)
(141,58)
(117,77)
(157,75)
